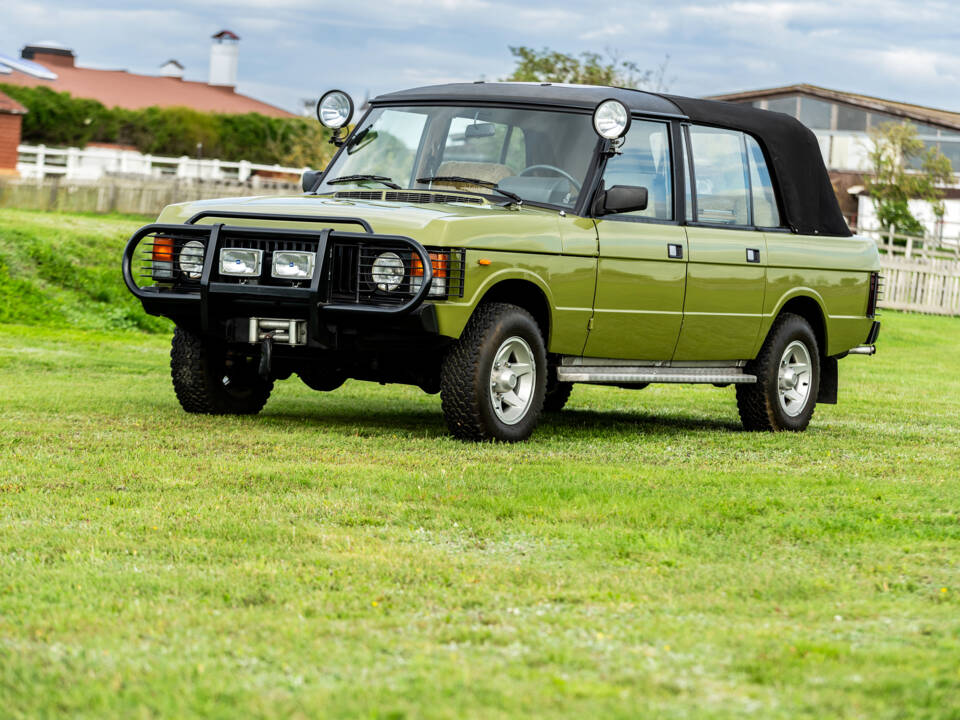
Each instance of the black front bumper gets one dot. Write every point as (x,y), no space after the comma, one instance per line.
(213,306)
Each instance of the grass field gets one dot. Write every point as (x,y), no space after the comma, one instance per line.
(340,556)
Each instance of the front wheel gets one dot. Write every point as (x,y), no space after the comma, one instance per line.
(493,379)
(788,378)
(208,380)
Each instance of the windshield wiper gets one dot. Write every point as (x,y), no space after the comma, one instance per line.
(473,181)
(382,179)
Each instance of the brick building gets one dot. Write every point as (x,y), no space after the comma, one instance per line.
(119,88)
(11,117)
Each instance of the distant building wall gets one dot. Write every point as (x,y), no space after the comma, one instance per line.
(11,119)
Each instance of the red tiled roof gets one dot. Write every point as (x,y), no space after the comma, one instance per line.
(119,88)
(9,106)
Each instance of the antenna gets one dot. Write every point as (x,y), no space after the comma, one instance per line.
(8,63)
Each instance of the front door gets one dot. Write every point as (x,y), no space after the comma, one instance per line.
(641,268)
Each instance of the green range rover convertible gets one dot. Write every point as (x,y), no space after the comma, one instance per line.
(498,242)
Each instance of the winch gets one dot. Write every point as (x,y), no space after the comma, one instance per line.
(289,332)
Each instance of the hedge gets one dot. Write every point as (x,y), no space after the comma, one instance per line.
(59,119)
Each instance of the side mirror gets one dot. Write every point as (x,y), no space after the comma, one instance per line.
(620,199)
(308,181)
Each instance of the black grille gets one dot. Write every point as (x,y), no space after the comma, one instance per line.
(348,270)
(360,194)
(268,246)
(416,197)
(352,278)
(164,266)
(421,198)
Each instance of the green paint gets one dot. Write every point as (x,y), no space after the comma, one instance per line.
(711,304)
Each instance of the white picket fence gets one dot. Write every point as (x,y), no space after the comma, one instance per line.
(38,162)
(917,276)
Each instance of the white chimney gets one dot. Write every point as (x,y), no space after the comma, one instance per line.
(172,69)
(223,59)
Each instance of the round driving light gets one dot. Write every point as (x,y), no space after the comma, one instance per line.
(191,259)
(611,119)
(334,109)
(388,271)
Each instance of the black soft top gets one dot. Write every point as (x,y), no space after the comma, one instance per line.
(808,202)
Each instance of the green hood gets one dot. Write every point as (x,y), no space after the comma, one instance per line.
(486,226)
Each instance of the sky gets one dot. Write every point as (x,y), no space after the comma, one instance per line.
(294,49)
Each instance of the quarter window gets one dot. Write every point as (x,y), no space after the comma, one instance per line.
(644,161)
(720,176)
(765,213)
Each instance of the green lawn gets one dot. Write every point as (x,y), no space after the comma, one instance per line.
(340,556)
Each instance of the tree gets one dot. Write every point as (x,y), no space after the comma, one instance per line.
(903,169)
(588,68)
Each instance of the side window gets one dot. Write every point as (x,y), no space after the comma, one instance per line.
(720,175)
(645,161)
(765,213)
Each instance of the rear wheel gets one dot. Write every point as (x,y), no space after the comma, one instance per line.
(207,379)
(788,378)
(493,379)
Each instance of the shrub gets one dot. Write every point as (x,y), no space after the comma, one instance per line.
(59,119)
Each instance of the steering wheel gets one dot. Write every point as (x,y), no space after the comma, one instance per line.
(551,168)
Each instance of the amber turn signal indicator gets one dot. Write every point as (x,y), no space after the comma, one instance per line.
(439,261)
(483,261)
(163,249)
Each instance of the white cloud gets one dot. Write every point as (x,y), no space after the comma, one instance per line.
(902,49)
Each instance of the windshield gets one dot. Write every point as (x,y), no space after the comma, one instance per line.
(541,156)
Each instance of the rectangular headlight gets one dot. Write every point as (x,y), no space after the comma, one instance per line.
(240,262)
(288,265)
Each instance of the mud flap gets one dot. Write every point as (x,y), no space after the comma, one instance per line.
(829,381)
(266,357)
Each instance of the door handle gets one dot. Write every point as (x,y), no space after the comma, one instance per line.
(674,251)
(753,255)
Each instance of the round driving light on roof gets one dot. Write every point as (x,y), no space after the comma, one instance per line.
(334,109)
(388,271)
(611,119)
(191,259)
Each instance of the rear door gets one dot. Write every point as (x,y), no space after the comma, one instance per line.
(641,266)
(726,269)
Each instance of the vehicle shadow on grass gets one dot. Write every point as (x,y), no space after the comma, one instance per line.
(633,422)
(429,423)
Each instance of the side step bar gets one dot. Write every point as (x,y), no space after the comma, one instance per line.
(634,374)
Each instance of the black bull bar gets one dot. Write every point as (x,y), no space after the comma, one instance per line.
(169,302)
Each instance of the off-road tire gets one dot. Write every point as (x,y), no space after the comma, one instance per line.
(199,369)
(759,404)
(465,390)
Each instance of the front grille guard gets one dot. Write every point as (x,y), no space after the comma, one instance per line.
(213,237)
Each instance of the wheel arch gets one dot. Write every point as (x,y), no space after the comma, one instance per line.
(524,292)
(810,310)
(809,306)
